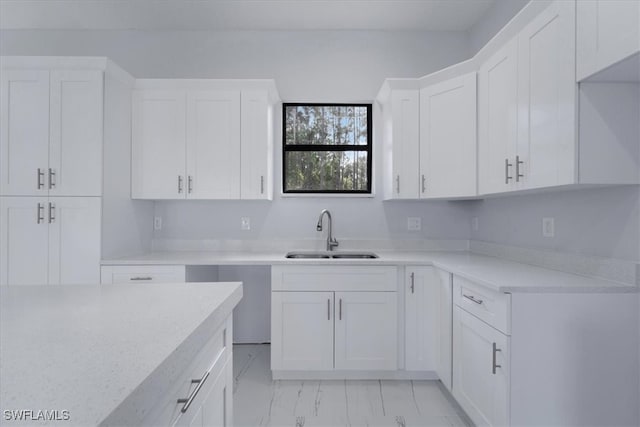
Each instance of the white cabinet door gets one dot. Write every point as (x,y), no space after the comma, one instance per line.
(74,240)
(213,145)
(405,122)
(24,235)
(24,132)
(256,120)
(497,119)
(217,407)
(75,154)
(366,333)
(158,144)
(444,327)
(448,144)
(547,97)
(607,32)
(302,330)
(420,318)
(480,370)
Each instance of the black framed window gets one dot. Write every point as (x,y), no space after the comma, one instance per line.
(326,148)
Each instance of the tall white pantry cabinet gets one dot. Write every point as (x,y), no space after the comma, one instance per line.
(51,166)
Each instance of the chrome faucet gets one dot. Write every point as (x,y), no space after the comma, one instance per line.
(331,241)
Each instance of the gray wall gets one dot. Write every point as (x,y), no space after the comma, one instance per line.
(493,20)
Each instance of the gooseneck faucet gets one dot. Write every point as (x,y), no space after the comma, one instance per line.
(331,241)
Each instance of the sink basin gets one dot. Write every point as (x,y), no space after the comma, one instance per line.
(330,254)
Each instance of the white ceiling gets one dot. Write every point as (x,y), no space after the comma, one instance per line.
(394,15)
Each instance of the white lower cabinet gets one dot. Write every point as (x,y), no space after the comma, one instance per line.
(49,240)
(481,371)
(333,318)
(420,318)
(444,327)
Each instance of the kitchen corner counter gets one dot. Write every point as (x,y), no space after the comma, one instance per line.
(495,273)
(85,349)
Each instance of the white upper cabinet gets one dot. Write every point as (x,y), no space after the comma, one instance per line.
(158,129)
(51,138)
(497,115)
(608,31)
(75,144)
(202,139)
(256,120)
(448,138)
(545,155)
(213,145)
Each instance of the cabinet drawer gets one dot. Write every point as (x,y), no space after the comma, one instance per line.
(114,274)
(210,361)
(333,278)
(492,307)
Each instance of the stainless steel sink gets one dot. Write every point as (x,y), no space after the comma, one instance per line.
(330,254)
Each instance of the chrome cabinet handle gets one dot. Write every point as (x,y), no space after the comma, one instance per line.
(398,184)
(328,309)
(190,184)
(52,178)
(52,213)
(340,311)
(518,174)
(187,402)
(424,184)
(413,282)
(40,178)
(472,298)
(138,278)
(179,184)
(261,184)
(507,165)
(494,364)
(40,217)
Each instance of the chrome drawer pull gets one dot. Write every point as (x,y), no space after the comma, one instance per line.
(40,178)
(413,282)
(518,174)
(261,184)
(495,351)
(472,298)
(507,165)
(141,278)
(52,213)
(40,213)
(187,402)
(52,178)
(328,309)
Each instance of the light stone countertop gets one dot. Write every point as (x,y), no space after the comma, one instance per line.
(86,348)
(495,273)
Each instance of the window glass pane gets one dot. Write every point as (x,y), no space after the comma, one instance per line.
(326,171)
(325,125)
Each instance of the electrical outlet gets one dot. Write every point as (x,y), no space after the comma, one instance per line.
(414,223)
(548,227)
(475,223)
(157,223)
(245,223)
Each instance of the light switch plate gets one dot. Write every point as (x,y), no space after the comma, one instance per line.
(157,223)
(245,223)
(414,223)
(548,227)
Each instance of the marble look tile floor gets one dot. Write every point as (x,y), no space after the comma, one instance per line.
(260,401)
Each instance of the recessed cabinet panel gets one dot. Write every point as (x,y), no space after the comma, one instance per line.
(421,290)
(75,155)
(366,331)
(480,370)
(257,145)
(608,31)
(24,236)
(74,240)
(405,140)
(547,99)
(498,119)
(448,146)
(24,132)
(159,145)
(213,145)
(302,330)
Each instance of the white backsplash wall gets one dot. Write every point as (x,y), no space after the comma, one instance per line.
(601,222)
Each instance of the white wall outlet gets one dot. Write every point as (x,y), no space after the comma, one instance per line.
(548,227)
(245,223)
(157,223)
(414,223)
(475,223)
